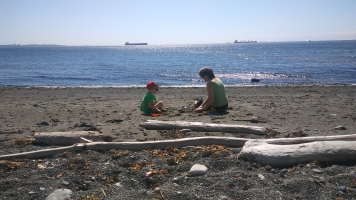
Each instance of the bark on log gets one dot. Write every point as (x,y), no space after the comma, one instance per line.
(288,155)
(69,138)
(200,126)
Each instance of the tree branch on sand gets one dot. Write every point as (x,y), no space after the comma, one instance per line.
(273,152)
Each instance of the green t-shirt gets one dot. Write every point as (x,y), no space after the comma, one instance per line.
(148,98)
(220,98)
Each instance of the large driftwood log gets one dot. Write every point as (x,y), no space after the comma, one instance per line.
(136,146)
(298,140)
(287,155)
(69,138)
(200,126)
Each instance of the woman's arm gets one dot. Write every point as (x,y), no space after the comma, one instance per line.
(209,100)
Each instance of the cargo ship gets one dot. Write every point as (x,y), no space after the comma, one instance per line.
(127,43)
(245,41)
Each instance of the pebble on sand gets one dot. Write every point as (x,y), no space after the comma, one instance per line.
(317,171)
(198,170)
(340,128)
(60,194)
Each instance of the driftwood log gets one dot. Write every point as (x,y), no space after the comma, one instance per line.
(136,146)
(260,151)
(200,126)
(69,138)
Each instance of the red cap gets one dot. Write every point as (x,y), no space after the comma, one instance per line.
(150,85)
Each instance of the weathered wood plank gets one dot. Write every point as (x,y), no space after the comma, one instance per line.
(69,138)
(200,126)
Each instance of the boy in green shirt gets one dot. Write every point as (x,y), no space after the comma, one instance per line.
(149,103)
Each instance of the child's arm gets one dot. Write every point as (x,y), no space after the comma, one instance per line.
(153,108)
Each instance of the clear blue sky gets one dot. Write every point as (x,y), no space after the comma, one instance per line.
(158,22)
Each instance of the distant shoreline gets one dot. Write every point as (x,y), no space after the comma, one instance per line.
(59,45)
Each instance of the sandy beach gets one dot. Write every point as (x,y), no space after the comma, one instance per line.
(313,110)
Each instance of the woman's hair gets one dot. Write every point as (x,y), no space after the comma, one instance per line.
(206,71)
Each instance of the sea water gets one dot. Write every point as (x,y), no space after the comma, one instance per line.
(277,63)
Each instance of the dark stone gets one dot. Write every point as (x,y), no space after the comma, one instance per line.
(44,123)
(342,188)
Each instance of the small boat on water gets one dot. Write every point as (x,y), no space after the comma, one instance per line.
(127,43)
(245,41)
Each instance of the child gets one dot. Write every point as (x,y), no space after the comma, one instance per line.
(149,103)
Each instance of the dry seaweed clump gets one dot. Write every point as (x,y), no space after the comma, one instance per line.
(213,150)
(25,141)
(6,165)
(120,154)
(296,134)
(176,134)
(91,197)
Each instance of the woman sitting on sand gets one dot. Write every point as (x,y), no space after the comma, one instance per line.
(216,100)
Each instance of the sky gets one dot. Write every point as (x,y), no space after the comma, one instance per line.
(169,22)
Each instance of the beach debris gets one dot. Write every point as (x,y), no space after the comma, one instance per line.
(86,127)
(223,197)
(317,181)
(158,190)
(198,170)
(114,121)
(118,184)
(70,138)
(103,192)
(136,166)
(73,164)
(41,165)
(353,184)
(261,177)
(60,194)
(6,165)
(43,123)
(296,134)
(148,177)
(317,171)
(185,130)
(340,127)
(60,175)
(85,140)
(65,182)
(120,154)
(24,141)
(177,134)
(91,197)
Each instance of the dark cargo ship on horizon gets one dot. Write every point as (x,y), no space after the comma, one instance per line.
(127,43)
(245,41)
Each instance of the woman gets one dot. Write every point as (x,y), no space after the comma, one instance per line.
(216,99)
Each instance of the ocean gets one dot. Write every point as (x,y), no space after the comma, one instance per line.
(274,63)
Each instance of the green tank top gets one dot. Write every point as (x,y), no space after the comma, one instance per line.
(220,98)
